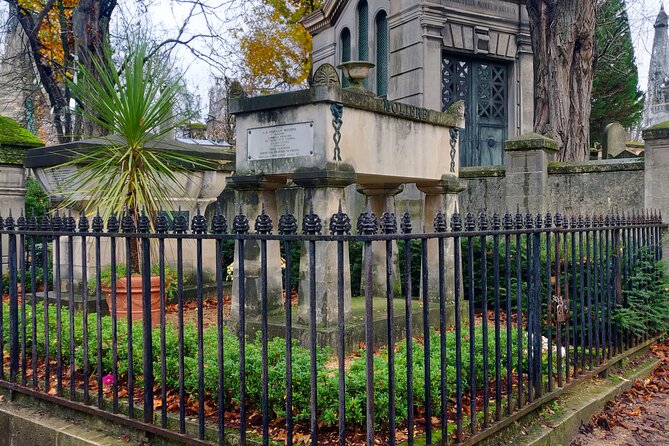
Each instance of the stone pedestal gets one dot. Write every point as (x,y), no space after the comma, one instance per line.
(440,196)
(381,198)
(12,195)
(324,191)
(253,193)
(526,160)
(656,179)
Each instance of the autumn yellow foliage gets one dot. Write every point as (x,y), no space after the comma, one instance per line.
(55,31)
(276,48)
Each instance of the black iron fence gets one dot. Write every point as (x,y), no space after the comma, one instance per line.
(538,303)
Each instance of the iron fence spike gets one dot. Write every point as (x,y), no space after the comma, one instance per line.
(287,223)
(263,224)
(388,223)
(311,223)
(405,224)
(240,224)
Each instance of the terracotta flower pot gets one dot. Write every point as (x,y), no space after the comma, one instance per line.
(136,299)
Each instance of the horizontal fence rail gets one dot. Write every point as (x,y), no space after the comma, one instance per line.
(127,319)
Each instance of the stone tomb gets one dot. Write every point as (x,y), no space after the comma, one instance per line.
(198,189)
(324,139)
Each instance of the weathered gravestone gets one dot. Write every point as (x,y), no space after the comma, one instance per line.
(613,140)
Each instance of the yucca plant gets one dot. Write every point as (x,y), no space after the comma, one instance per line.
(128,173)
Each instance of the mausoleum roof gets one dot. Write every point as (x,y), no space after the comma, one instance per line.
(324,16)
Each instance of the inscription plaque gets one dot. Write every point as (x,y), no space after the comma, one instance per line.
(63,176)
(281,141)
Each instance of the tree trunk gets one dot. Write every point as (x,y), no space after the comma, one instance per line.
(90,25)
(90,28)
(563,42)
(44,72)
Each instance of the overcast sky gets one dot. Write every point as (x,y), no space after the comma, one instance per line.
(642,14)
(169,15)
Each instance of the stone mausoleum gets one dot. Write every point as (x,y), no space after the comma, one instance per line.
(432,53)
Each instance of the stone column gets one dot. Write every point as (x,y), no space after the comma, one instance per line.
(253,193)
(656,181)
(324,192)
(440,196)
(381,198)
(526,160)
(12,193)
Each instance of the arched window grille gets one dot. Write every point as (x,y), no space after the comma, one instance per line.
(382,53)
(345,50)
(363,30)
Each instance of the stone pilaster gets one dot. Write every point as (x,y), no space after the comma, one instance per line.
(381,198)
(253,193)
(527,157)
(440,196)
(12,192)
(324,191)
(655,174)
(524,74)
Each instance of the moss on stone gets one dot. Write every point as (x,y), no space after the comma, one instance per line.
(531,141)
(661,125)
(614,165)
(12,134)
(482,172)
(14,141)
(197,126)
(657,131)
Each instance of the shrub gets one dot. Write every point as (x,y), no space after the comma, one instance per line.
(37,201)
(646,306)
(327,378)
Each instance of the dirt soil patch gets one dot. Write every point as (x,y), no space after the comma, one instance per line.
(638,417)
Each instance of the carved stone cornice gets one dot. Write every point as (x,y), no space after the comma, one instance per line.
(324,17)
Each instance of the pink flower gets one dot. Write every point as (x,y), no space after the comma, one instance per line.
(108,380)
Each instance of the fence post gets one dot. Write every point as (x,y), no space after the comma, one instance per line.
(145,256)
(617,279)
(13,302)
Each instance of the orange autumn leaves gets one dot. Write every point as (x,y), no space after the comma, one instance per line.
(275,47)
(55,32)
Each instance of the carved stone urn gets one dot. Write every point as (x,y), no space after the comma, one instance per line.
(356,71)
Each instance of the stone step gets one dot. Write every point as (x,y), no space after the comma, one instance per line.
(28,426)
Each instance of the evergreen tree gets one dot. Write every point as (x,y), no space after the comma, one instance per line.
(615,93)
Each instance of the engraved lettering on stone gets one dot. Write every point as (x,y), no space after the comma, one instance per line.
(63,176)
(281,141)
(410,111)
(486,6)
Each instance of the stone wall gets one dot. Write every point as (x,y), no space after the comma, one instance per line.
(486,189)
(592,186)
(596,186)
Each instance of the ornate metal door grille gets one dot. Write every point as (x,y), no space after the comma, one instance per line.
(483,87)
